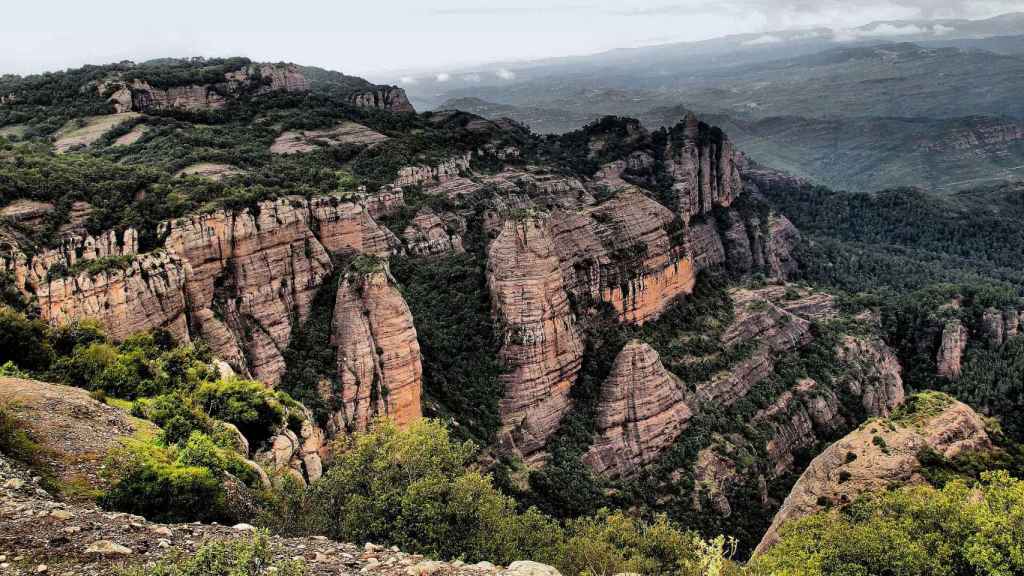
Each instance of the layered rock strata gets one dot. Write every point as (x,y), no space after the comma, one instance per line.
(379,367)
(430,235)
(703,166)
(878,456)
(642,411)
(542,347)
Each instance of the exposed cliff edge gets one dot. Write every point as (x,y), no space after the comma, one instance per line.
(236,279)
(542,344)
(882,454)
(642,411)
(379,366)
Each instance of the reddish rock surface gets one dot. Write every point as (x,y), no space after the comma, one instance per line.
(379,365)
(542,344)
(704,168)
(951,350)
(877,456)
(642,411)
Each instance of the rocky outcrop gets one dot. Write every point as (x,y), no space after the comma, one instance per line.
(430,175)
(136,95)
(300,141)
(951,350)
(999,326)
(149,292)
(379,367)
(302,455)
(871,373)
(345,227)
(254,271)
(542,345)
(387,98)
(430,235)
(881,455)
(621,252)
(796,421)
(702,164)
(642,411)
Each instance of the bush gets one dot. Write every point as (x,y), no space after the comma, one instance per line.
(916,530)
(238,558)
(614,543)
(176,413)
(249,405)
(148,481)
(23,341)
(412,488)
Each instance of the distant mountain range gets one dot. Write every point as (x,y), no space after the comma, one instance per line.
(912,103)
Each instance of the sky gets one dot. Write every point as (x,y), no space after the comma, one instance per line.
(380,39)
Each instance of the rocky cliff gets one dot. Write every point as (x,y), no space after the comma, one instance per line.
(881,454)
(389,98)
(642,411)
(703,167)
(379,367)
(430,234)
(236,279)
(542,345)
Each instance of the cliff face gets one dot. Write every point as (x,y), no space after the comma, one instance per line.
(148,293)
(389,98)
(431,235)
(238,280)
(139,96)
(879,455)
(433,175)
(621,252)
(703,167)
(641,412)
(379,366)
(951,350)
(251,274)
(542,345)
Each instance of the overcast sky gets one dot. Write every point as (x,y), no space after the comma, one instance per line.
(370,37)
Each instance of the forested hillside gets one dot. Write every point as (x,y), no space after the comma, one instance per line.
(340,317)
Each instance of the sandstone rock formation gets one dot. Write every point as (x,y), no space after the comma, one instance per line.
(299,141)
(379,367)
(86,131)
(703,167)
(135,95)
(302,455)
(236,279)
(429,235)
(879,455)
(542,345)
(642,411)
(387,98)
(254,272)
(148,293)
(620,252)
(796,421)
(872,373)
(439,174)
(951,350)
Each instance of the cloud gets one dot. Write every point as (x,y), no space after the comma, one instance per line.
(443,77)
(474,78)
(762,40)
(407,80)
(506,74)
(941,30)
(888,30)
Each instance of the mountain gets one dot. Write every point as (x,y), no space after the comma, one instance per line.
(264,260)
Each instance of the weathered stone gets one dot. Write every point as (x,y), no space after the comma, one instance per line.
(951,350)
(642,411)
(379,366)
(542,344)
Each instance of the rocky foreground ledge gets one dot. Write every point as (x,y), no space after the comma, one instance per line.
(39,535)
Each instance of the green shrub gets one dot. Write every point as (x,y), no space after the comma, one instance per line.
(85,365)
(249,405)
(148,481)
(412,488)
(24,341)
(176,413)
(237,558)
(614,543)
(959,530)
